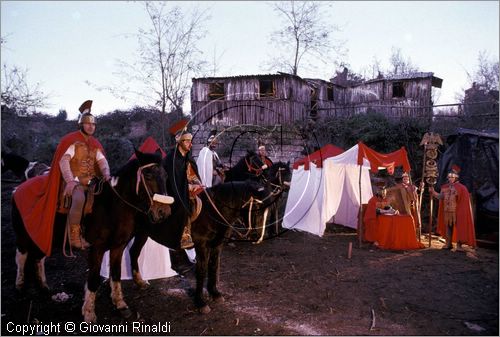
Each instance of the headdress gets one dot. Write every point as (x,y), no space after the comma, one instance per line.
(455,170)
(179,129)
(85,115)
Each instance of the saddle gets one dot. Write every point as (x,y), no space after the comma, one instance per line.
(64,202)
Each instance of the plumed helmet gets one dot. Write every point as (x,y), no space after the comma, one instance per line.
(85,115)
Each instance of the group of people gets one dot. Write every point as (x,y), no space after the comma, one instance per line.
(80,157)
(455,221)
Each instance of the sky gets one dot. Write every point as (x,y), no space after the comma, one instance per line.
(64,44)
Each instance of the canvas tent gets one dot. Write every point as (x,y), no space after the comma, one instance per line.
(332,192)
(318,194)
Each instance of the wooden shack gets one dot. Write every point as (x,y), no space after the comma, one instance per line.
(255,99)
(281,98)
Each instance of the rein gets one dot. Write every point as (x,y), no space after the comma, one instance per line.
(140,178)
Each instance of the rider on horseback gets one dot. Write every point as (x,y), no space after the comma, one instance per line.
(82,160)
(183,181)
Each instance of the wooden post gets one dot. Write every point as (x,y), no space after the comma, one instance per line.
(360,219)
(430,218)
(349,251)
(431,141)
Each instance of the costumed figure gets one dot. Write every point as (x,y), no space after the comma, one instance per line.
(378,204)
(79,158)
(455,219)
(184,182)
(411,195)
(209,164)
(261,161)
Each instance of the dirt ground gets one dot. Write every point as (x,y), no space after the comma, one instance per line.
(295,284)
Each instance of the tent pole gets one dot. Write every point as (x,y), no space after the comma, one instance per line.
(360,220)
(430,219)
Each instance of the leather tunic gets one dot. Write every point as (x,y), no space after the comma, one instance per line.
(83,164)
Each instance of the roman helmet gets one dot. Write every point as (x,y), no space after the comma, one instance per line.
(85,115)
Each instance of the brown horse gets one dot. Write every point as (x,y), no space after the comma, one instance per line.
(138,188)
(223,204)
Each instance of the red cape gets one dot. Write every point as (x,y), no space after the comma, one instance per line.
(464,228)
(370,220)
(37,197)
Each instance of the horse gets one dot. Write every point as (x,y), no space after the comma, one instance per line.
(276,178)
(222,205)
(22,167)
(139,187)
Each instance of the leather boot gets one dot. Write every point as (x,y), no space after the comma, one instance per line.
(75,237)
(186,240)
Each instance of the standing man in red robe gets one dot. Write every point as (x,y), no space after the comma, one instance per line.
(455,219)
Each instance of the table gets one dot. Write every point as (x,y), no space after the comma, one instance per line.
(395,232)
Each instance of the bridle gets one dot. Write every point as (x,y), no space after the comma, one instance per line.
(140,179)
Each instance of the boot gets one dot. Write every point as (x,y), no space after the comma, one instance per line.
(186,240)
(75,237)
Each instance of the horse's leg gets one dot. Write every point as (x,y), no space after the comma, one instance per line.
(202,252)
(20,262)
(40,274)
(93,281)
(115,262)
(213,274)
(134,252)
(263,231)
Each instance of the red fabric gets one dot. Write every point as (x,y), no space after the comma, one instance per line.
(370,220)
(149,146)
(389,161)
(397,232)
(464,228)
(37,197)
(317,157)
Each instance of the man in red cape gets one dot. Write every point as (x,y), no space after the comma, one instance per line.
(455,220)
(38,198)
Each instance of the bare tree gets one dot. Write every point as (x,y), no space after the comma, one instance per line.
(398,64)
(18,93)
(304,33)
(487,72)
(168,57)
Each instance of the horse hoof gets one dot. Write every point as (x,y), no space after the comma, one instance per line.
(143,285)
(90,317)
(205,309)
(126,313)
(219,299)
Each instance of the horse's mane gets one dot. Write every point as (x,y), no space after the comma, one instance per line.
(141,159)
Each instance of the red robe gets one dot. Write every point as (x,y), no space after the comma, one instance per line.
(37,197)
(464,228)
(370,218)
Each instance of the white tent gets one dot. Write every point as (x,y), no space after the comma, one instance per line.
(319,195)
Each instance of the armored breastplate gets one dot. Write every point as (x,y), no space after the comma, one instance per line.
(83,162)
(450,199)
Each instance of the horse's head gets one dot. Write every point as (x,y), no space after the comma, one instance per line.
(150,186)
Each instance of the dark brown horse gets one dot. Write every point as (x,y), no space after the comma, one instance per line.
(223,204)
(276,179)
(137,188)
